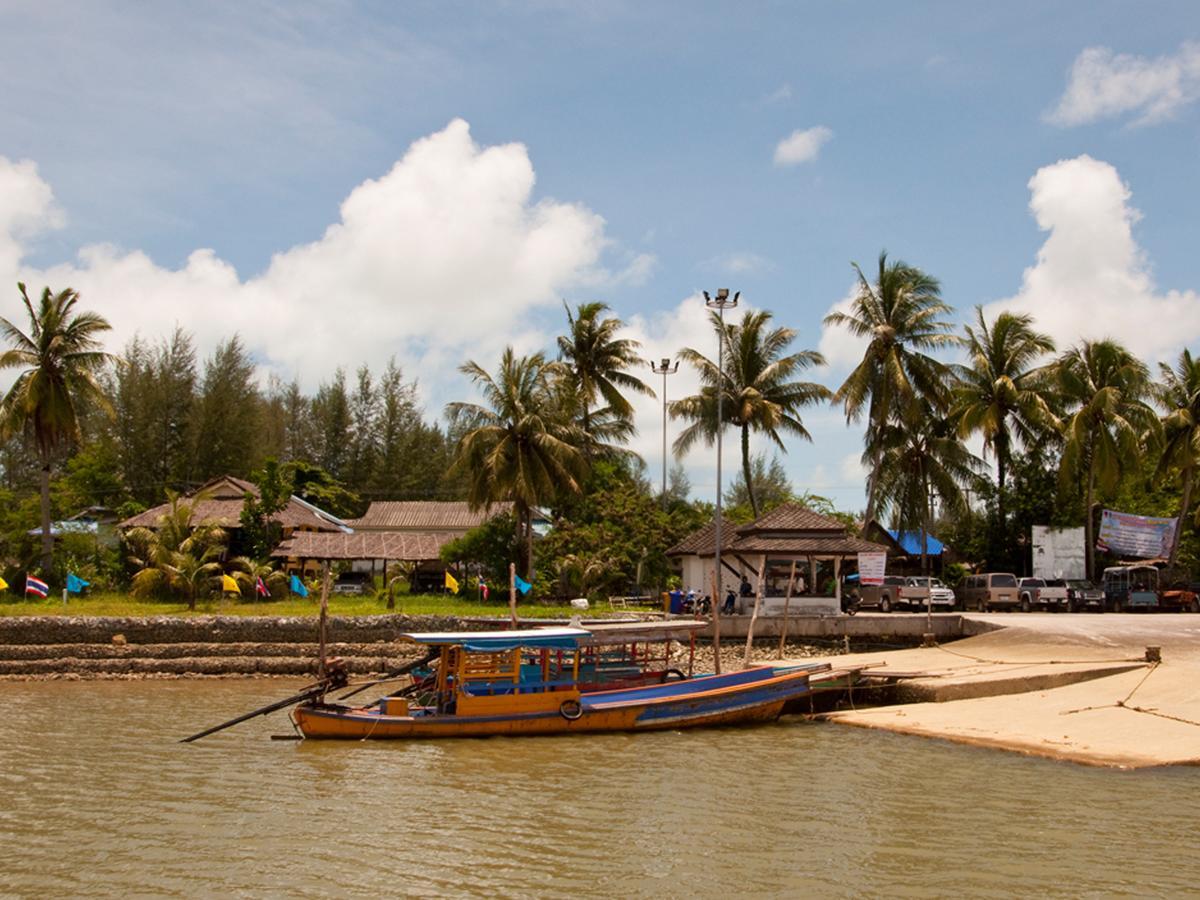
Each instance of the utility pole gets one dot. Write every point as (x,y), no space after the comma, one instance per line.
(664,369)
(720,303)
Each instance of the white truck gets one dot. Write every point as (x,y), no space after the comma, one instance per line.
(913,592)
(939,596)
(1050,594)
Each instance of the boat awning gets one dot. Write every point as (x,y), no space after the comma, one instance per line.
(611,633)
(564,638)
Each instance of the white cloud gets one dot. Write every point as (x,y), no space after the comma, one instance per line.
(1104,85)
(781,94)
(802,145)
(1091,280)
(744,263)
(26,209)
(841,349)
(445,255)
(853,470)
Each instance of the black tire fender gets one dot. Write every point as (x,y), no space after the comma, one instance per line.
(570,710)
(667,674)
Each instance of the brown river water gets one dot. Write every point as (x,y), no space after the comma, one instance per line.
(97,798)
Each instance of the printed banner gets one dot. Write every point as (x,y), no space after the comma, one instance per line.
(871,567)
(1141,536)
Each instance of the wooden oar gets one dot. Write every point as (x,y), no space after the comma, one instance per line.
(309,693)
(403,670)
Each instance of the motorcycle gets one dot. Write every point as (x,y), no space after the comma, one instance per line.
(850,603)
(701,606)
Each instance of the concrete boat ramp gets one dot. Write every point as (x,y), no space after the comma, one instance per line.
(1070,687)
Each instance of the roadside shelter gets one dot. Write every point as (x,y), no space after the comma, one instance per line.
(789,538)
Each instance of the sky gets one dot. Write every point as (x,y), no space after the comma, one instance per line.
(341,183)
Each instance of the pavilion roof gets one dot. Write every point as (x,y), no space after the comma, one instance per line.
(222,502)
(410,546)
(790,529)
(426,515)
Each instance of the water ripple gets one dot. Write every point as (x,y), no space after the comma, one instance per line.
(101,799)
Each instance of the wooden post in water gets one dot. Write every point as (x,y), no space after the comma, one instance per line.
(716,620)
(762,574)
(512,592)
(787,608)
(323,622)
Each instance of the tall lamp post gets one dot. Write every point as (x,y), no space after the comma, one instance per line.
(720,303)
(664,370)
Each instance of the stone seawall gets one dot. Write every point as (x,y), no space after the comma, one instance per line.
(106,647)
(218,629)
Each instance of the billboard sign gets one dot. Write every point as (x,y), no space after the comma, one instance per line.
(1058,552)
(1144,537)
(871,567)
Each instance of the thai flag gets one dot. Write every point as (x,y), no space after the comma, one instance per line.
(260,588)
(36,586)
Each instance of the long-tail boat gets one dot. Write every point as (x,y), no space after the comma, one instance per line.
(535,682)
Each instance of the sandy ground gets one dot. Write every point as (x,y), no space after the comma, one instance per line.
(1125,714)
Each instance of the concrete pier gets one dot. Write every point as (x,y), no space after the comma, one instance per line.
(895,626)
(1071,687)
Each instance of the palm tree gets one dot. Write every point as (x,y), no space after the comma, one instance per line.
(1001,394)
(1179,396)
(597,359)
(246,572)
(516,448)
(60,358)
(1102,386)
(923,460)
(899,316)
(180,555)
(757,394)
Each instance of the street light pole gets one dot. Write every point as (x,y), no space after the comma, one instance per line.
(664,370)
(720,303)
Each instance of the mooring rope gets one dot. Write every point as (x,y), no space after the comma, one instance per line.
(1035,662)
(1124,704)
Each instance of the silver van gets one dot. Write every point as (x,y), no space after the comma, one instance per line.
(991,590)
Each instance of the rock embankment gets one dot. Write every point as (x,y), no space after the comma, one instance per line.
(112,647)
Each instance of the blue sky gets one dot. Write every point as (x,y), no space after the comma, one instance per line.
(1039,156)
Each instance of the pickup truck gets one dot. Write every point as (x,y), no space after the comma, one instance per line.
(920,592)
(885,596)
(909,593)
(1048,593)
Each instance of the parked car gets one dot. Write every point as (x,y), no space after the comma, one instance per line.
(1130,588)
(1179,597)
(922,592)
(886,596)
(427,581)
(353,583)
(1047,593)
(1083,595)
(989,591)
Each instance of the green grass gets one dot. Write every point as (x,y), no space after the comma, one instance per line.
(117,604)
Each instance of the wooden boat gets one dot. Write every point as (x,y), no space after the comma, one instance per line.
(531,682)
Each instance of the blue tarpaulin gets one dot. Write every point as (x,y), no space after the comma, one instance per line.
(487,641)
(910,542)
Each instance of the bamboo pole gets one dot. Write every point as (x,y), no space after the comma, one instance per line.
(323,622)
(762,572)
(716,620)
(512,592)
(787,608)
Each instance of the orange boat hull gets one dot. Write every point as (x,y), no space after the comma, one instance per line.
(641,709)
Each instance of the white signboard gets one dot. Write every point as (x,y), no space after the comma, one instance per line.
(1058,552)
(871,567)
(1141,536)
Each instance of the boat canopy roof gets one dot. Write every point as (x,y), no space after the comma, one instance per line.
(562,638)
